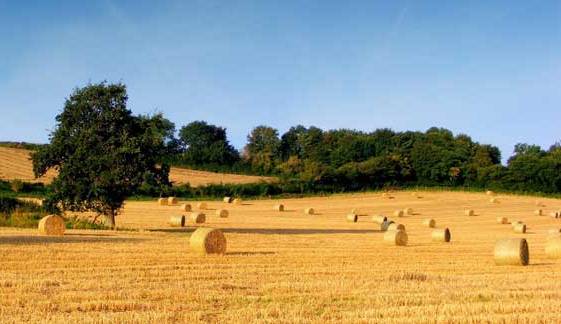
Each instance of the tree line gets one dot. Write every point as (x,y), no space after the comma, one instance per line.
(104,154)
(347,159)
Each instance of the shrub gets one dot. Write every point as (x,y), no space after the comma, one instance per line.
(16,185)
(16,213)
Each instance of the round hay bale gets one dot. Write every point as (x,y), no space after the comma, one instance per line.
(202,206)
(555,214)
(352,218)
(441,235)
(502,220)
(208,241)
(162,201)
(222,213)
(553,247)
(489,193)
(396,227)
(429,222)
(519,228)
(538,212)
(398,213)
(399,238)
(384,226)
(172,201)
(227,200)
(512,252)
(494,200)
(279,207)
(469,212)
(198,218)
(379,219)
(237,201)
(186,207)
(52,225)
(408,211)
(177,221)
(309,211)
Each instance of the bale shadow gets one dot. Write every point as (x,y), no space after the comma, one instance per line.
(272,231)
(541,264)
(68,238)
(418,245)
(297,231)
(88,235)
(173,230)
(250,253)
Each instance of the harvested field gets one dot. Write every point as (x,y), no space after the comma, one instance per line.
(15,164)
(198,178)
(289,267)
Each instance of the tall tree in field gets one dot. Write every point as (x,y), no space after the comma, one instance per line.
(101,151)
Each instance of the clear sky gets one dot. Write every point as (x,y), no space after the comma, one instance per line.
(491,69)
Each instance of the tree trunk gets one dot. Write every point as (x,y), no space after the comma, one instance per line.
(110,220)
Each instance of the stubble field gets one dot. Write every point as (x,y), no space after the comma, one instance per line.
(15,164)
(287,266)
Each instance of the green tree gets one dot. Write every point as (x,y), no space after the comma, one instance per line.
(163,128)
(312,145)
(101,151)
(291,142)
(263,148)
(206,144)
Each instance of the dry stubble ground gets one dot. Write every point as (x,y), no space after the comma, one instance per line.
(15,164)
(288,267)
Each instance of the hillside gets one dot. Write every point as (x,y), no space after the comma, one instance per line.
(15,164)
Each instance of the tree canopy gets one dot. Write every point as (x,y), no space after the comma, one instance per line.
(102,152)
(206,144)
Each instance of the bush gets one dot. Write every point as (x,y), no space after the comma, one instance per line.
(7,204)
(16,185)
(27,214)
(84,224)
(16,213)
(23,219)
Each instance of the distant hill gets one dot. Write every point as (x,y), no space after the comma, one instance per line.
(15,164)
(21,145)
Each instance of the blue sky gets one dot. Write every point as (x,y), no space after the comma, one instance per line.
(491,69)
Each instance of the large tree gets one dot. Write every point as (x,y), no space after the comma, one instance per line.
(101,151)
(263,148)
(206,144)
